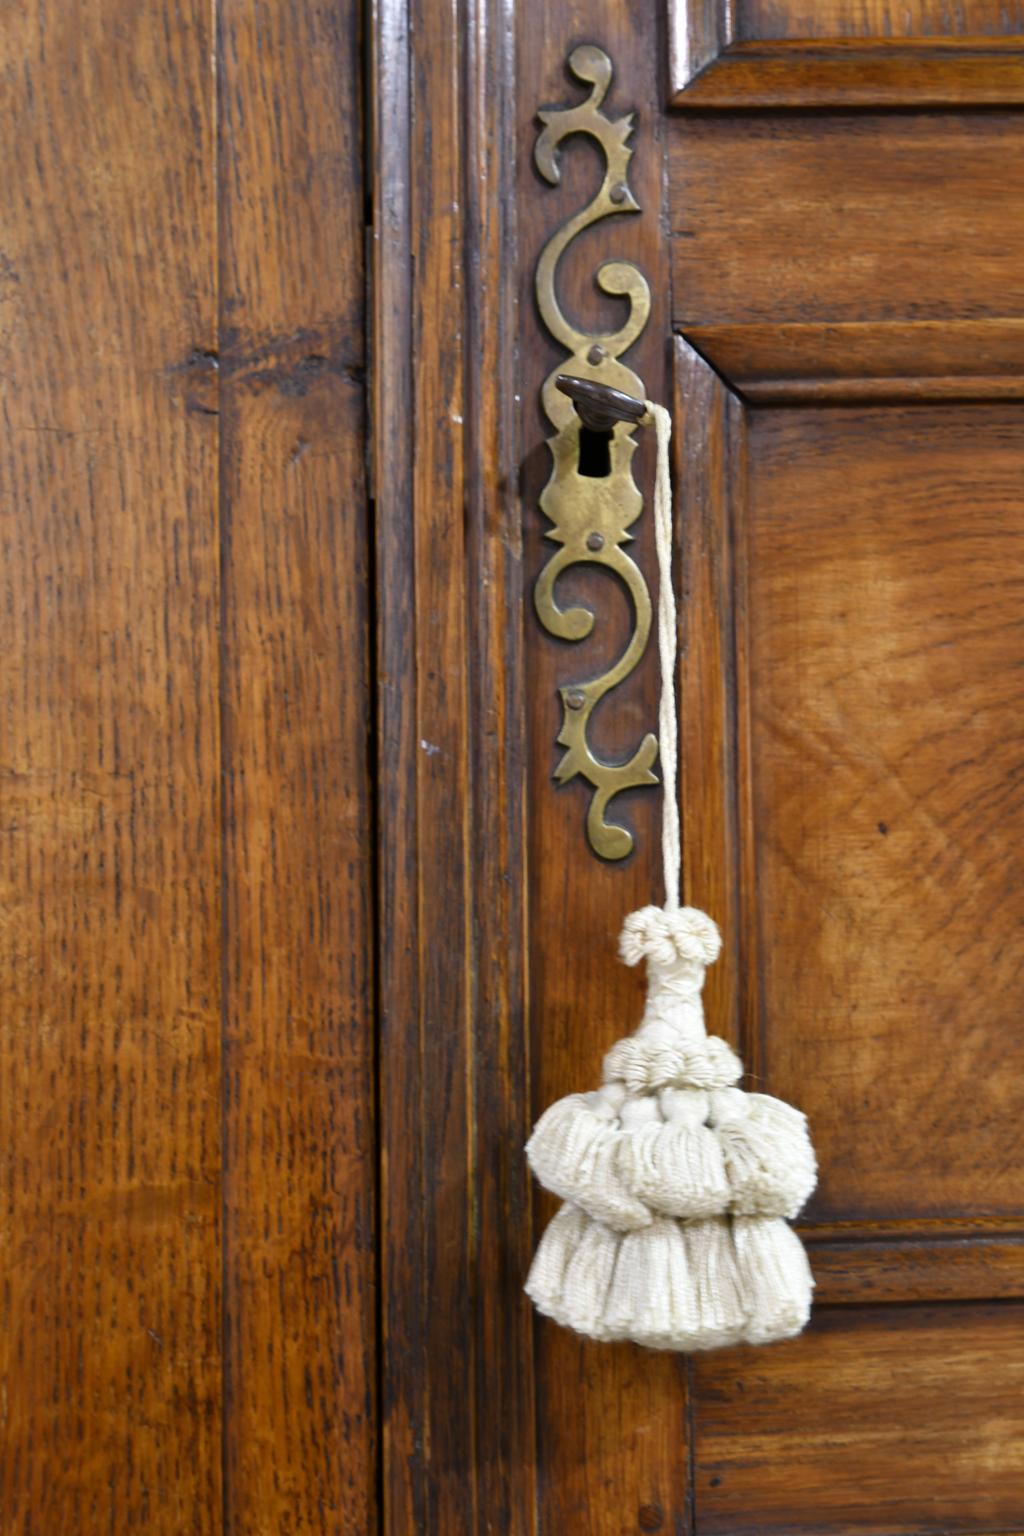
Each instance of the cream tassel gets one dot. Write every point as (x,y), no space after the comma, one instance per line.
(547,1273)
(574,1153)
(674,1164)
(651,1297)
(767,1150)
(675,1181)
(722,1303)
(572,1269)
(775,1278)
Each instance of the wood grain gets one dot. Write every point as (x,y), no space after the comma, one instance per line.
(299,1133)
(457,1372)
(846,218)
(802,19)
(110,1033)
(915,1268)
(426,1025)
(886,608)
(405,1367)
(506,1448)
(185,551)
(891,1420)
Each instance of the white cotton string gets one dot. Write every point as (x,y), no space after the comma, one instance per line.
(668,732)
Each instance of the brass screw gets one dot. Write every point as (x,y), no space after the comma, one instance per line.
(595,540)
(597,354)
(619,192)
(575,698)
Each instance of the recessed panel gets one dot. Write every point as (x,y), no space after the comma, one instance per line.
(846,217)
(882,707)
(886,1421)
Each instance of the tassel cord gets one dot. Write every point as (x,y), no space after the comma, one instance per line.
(668,728)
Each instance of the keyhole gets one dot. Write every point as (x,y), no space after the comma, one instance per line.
(595,454)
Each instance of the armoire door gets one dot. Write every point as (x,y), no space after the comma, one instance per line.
(300,933)
(187,1142)
(827,204)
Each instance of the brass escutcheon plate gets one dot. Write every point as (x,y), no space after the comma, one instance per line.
(591,515)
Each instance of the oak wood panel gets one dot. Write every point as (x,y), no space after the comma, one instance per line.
(912,1268)
(894,1229)
(869,75)
(426,1032)
(859,361)
(405,1365)
(457,1375)
(611,1421)
(299,1135)
(110,1032)
(885,611)
(505,1446)
(843,20)
(889,1420)
(846,218)
(878,18)
(868,53)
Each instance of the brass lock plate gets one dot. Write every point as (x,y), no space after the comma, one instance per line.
(591,514)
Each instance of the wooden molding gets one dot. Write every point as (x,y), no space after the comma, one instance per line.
(921,1265)
(915,1259)
(866,361)
(457,1386)
(709,68)
(700,32)
(899,1229)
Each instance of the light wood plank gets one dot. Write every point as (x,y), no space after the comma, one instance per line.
(299,1133)
(847,217)
(109,891)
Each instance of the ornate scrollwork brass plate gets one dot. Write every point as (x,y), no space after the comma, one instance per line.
(591,515)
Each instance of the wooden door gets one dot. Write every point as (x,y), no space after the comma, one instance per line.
(300,935)
(187,1170)
(831,227)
